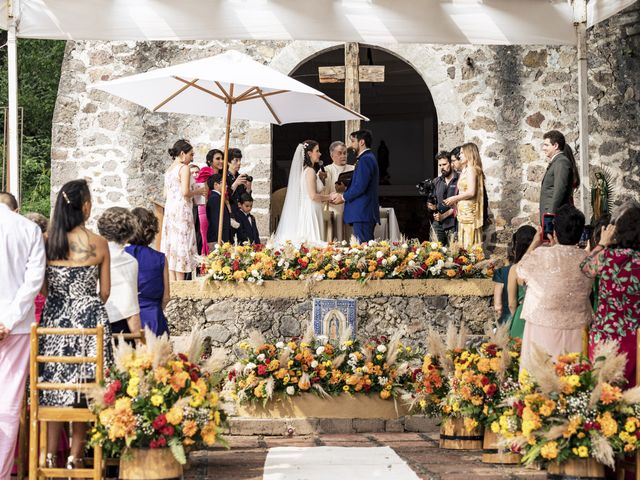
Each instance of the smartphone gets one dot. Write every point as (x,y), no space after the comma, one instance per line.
(586,236)
(548,222)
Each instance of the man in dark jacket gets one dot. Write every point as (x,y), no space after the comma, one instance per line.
(558,182)
(213,212)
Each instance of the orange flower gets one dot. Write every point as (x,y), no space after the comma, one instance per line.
(161,375)
(610,394)
(178,381)
(451,273)
(190,428)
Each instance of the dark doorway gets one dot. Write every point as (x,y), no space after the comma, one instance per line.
(403,116)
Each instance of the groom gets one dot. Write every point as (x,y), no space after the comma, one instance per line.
(361,207)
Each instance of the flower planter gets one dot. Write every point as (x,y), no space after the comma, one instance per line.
(455,436)
(149,464)
(491,453)
(575,469)
(309,405)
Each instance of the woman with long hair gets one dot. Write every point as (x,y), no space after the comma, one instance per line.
(302,220)
(178,230)
(469,201)
(516,289)
(77,259)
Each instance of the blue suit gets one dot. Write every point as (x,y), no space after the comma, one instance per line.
(361,207)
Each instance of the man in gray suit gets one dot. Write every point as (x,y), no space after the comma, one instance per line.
(561,177)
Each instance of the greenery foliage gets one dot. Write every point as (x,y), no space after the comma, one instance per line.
(39,64)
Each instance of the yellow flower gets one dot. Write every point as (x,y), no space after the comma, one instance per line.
(345,388)
(549,450)
(132,390)
(484,365)
(423,404)
(470,423)
(608,425)
(583,451)
(190,428)
(495,427)
(209,434)
(631,425)
(174,416)
(157,400)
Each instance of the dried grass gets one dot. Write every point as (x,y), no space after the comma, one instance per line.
(541,369)
(601,449)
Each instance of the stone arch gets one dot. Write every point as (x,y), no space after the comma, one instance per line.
(402,107)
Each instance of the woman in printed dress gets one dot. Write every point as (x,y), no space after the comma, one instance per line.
(615,262)
(178,229)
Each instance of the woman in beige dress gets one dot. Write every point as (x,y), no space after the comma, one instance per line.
(556,307)
(338,152)
(469,201)
(178,229)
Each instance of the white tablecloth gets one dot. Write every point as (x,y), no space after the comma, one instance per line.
(388,228)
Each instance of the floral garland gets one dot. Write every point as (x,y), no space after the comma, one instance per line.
(344,261)
(380,366)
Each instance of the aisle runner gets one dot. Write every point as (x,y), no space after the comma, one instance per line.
(343,463)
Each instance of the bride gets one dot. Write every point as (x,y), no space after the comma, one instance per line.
(302,219)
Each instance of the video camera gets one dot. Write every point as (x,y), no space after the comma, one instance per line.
(427,188)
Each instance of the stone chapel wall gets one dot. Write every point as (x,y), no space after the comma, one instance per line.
(501,97)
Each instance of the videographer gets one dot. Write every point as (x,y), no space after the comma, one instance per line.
(444,186)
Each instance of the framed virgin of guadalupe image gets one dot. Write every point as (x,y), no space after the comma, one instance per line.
(331,317)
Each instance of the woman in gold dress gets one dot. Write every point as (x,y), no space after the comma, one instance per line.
(469,201)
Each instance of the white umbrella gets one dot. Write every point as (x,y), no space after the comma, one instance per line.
(229,84)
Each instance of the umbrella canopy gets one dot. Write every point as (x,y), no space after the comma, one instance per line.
(206,87)
(404,21)
(229,84)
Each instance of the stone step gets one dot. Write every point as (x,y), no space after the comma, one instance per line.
(310,426)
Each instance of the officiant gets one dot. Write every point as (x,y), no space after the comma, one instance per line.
(338,153)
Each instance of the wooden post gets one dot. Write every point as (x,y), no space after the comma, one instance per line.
(223,187)
(351,86)
(33,417)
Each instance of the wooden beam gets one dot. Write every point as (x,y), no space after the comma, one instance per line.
(366,73)
(351,85)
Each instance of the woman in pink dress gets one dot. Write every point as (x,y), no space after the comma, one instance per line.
(178,229)
(615,261)
(556,307)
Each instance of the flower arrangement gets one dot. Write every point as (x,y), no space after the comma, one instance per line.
(380,366)
(154,397)
(430,387)
(344,261)
(574,409)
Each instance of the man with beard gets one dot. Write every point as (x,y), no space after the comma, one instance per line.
(444,221)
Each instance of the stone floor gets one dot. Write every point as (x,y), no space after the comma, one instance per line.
(245,459)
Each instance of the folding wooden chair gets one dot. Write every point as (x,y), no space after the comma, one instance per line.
(41,415)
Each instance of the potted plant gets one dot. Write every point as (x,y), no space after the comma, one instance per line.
(155,403)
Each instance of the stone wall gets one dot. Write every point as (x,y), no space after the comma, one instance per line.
(279,311)
(501,97)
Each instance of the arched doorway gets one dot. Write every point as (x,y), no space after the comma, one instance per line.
(403,116)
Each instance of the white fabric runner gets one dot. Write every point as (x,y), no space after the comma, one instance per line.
(320,463)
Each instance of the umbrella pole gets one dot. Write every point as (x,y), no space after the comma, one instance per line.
(225,165)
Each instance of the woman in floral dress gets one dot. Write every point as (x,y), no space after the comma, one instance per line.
(178,229)
(615,261)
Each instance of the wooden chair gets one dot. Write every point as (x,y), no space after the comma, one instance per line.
(41,415)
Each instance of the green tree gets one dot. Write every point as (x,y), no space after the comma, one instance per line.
(39,64)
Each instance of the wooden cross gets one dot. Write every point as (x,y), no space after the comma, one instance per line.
(351,74)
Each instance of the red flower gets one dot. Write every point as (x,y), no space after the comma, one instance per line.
(167,430)
(162,442)
(232,374)
(236,265)
(159,422)
(591,426)
(491,389)
(183,357)
(153,444)
(303,262)
(262,369)
(193,375)
(484,380)
(519,408)
(117,385)
(109,397)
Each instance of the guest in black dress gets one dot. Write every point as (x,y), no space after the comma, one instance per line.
(77,259)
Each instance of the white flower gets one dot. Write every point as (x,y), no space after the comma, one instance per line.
(383,381)
(249,367)
(337,257)
(255,273)
(319,350)
(365,369)
(434,270)
(379,254)
(384,262)
(381,349)
(412,263)
(322,338)
(353,356)
(449,259)
(371,243)
(280,262)
(444,250)
(280,345)
(314,364)
(404,245)
(418,251)
(261,357)
(251,280)
(434,245)
(393,258)
(252,254)
(291,390)
(440,263)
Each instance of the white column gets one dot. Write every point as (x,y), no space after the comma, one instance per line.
(13,162)
(580,23)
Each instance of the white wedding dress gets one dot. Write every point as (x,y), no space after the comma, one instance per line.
(301,220)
